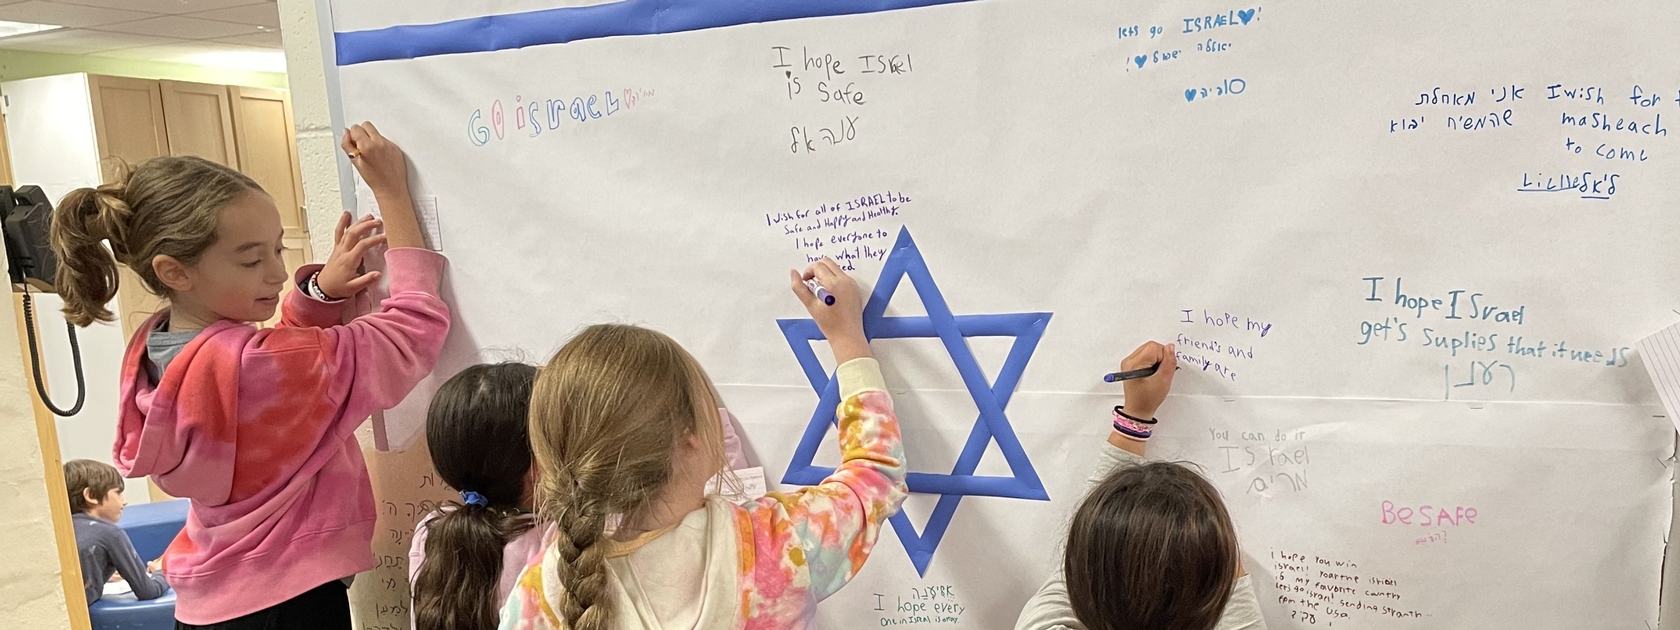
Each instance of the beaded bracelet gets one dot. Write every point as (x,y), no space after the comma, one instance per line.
(313,288)
(1135,428)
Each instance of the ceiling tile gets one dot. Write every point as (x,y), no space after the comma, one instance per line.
(260,40)
(181,27)
(171,7)
(80,42)
(264,14)
(68,15)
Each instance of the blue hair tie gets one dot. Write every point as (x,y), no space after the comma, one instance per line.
(473,498)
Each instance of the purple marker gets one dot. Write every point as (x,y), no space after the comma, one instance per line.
(822,294)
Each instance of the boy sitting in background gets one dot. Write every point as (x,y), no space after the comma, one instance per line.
(96,502)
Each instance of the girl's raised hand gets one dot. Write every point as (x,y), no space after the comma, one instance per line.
(342,277)
(1145,395)
(842,321)
(381,162)
(385,169)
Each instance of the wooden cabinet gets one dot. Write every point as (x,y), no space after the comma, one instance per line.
(128,121)
(5,155)
(262,127)
(198,120)
(267,143)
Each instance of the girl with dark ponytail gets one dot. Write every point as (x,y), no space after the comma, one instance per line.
(476,433)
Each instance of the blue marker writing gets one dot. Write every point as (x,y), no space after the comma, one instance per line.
(822,294)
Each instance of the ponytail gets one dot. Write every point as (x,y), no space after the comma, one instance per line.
(87,274)
(167,206)
(476,435)
(456,587)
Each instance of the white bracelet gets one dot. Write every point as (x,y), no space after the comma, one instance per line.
(313,288)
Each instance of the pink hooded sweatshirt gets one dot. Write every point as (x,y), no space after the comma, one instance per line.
(257,427)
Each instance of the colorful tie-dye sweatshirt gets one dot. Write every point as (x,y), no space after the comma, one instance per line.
(759,566)
(257,428)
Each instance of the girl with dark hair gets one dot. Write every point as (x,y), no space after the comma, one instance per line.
(476,434)
(1151,547)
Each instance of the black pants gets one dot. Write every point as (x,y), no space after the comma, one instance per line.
(326,607)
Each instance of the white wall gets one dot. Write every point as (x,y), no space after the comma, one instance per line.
(90,433)
(49,125)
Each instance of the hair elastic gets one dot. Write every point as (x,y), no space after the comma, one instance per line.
(473,498)
(1135,428)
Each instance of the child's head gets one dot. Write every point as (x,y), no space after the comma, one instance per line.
(476,433)
(622,420)
(96,489)
(1151,547)
(198,233)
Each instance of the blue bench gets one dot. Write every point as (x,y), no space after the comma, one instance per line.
(152,526)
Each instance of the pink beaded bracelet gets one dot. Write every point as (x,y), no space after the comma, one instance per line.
(1135,428)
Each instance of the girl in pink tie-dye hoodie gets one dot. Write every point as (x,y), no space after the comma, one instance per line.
(622,428)
(254,425)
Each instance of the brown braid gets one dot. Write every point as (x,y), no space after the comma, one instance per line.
(606,414)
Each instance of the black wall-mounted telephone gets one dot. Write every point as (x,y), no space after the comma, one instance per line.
(25,218)
(28,215)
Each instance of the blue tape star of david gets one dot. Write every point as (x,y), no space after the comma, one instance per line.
(990,398)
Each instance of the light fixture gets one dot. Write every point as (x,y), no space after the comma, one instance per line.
(10,29)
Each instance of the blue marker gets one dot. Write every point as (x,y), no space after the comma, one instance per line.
(1127,375)
(822,294)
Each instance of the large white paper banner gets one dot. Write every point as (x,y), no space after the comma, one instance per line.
(1403,248)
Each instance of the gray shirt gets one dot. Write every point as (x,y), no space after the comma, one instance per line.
(163,346)
(1051,610)
(105,549)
